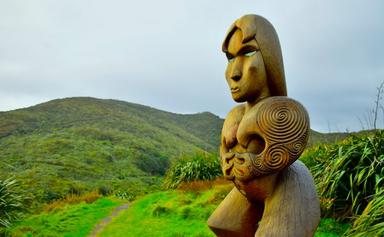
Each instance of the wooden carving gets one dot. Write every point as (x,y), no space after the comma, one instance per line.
(261,140)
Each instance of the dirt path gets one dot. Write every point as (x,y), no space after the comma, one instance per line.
(99,227)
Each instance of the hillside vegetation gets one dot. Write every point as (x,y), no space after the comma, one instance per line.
(81,144)
(54,154)
(74,146)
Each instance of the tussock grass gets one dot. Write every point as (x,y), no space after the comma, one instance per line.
(200,185)
(72,199)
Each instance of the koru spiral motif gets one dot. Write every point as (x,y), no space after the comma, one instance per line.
(283,125)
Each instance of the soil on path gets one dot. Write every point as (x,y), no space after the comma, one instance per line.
(99,227)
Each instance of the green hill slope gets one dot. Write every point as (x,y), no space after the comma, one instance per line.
(77,144)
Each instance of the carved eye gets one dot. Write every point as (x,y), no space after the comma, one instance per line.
(249,54)
(230,57)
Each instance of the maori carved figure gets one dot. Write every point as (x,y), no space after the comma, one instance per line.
(261,140)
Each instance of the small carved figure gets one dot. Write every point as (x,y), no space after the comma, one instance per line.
(261,140)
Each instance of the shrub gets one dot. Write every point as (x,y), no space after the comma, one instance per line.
(104,190)
(371,221)
(125,196)
(12,201)
(201,166)
(349,173)
(152,164)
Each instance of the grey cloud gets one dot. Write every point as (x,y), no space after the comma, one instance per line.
(166,54)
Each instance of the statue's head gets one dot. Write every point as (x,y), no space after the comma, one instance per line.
(255,65)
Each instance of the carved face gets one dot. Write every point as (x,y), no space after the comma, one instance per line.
(245,74)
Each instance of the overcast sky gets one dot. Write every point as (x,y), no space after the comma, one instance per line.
(167,54)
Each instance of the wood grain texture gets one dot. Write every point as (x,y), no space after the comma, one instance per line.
(274,195)
(235,216)
(293,210)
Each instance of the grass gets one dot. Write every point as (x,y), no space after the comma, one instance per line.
(71,220)
(329,227)
(170,213)
(181,212)
(184,213)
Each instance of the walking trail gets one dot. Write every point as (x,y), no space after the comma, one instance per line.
(99,227)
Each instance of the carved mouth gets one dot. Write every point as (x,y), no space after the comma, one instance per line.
(235,89)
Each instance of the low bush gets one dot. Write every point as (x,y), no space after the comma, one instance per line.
(201,166)
(72,199)
(125,195)
(350,179)
(12,202)
(348,173)
(371,221)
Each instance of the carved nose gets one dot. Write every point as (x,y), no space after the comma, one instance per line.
(236,75)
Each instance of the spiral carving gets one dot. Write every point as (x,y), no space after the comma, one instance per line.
(284,125)
(281,119)
(277,156)
(297,147)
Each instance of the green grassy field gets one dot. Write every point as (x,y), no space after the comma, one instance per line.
(172,213)
(168,213)
(183,213)
(70,220)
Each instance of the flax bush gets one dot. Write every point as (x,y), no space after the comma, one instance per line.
(350,178)
(371,221)
(201,166)
(11,202)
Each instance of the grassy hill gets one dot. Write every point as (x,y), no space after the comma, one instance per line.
(80,144)
(75,145)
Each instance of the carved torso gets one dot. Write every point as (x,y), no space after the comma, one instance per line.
(262,141)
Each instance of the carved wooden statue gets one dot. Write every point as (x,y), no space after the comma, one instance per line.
(261,140)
